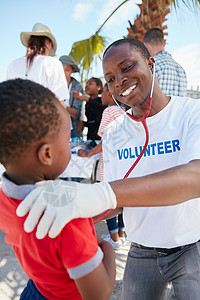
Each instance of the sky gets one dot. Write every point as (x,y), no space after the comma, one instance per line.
(75,20)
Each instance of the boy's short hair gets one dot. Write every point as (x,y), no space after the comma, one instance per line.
(98,83)
(134,43)
(28,112)
(154,36)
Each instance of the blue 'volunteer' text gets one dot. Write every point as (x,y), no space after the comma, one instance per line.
(152,149)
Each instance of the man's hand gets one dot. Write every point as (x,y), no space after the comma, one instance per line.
(59,201)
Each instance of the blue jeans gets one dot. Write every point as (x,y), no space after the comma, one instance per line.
(114,226)
(31,292)
(147,273)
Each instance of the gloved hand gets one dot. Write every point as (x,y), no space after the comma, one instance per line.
(61,201)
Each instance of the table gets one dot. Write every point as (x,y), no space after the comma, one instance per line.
(82,167)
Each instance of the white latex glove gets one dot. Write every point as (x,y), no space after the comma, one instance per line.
(61,201)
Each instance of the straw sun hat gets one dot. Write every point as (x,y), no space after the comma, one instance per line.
(39,30)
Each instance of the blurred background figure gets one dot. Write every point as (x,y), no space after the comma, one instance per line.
(38,64)
(171,76)
(74,108)
(93,108)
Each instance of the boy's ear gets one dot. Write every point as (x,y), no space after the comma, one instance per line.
(45,154)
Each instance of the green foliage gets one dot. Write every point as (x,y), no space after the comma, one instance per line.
(86,52)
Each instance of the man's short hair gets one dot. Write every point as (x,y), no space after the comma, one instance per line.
(154,36)
(28,112)
(134,43)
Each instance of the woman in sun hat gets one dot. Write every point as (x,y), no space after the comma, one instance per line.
(74,108)
(38,64)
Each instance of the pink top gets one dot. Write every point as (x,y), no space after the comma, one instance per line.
(109,115)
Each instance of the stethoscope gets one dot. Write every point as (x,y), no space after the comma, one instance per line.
(144,123)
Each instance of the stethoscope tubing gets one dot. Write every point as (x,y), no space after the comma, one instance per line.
(144,123)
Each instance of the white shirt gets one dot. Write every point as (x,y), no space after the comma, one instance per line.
(45,70)
(174,140)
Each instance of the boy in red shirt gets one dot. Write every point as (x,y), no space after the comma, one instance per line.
(34,146)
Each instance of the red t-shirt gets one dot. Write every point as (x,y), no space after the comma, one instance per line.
(52,264)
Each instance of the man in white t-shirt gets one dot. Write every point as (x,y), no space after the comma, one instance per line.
(165,240)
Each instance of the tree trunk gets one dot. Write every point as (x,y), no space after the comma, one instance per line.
(152,14)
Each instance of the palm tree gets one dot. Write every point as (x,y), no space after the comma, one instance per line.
(152,14)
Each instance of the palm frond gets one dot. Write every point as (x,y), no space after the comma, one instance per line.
(85,51)
(190,4)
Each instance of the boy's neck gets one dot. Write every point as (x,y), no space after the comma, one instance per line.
(94,96)
(21,178)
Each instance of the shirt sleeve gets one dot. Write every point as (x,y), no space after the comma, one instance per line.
(191,149)
(104,123)
(80,252)
(107,174)
(109,115)
(57,82)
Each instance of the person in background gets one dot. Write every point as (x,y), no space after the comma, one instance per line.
(93,108)
(170,75)
(115,225)
(74,108)
(75,265)
(38,64)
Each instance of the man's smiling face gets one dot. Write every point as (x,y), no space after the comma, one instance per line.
(128,75)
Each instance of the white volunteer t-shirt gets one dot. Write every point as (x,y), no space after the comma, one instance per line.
(174,140)
(45,70)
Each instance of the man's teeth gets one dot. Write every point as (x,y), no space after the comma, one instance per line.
(128,91)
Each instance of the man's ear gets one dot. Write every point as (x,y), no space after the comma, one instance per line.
(45,154)
(151,63)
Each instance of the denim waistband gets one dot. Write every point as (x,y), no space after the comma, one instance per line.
(165,251)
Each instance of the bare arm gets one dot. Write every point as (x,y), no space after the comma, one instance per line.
(99,284)
(111,213)
(79,96)
(169,187)
(80,127)
(72,111)
(93,151)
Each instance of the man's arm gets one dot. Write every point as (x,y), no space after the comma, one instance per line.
(64,201)
(168,187)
